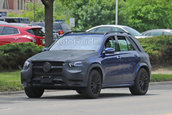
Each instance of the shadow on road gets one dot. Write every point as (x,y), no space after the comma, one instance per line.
(102,96)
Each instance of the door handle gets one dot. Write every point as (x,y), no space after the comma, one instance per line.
(118,57)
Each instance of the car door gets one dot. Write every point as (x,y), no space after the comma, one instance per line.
(129,59)
(1,37)
(8,35)
(111,63)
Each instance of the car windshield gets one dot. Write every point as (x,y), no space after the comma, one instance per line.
(78,42)
(132,31)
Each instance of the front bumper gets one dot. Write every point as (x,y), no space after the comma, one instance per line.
(67,79)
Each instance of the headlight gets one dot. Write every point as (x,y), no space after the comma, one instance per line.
(76,64)
(26,65)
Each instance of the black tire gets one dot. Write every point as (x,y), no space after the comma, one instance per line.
(141,84)
(94,85)
(34,92)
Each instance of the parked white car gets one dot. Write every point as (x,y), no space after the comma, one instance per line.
(157,32)
(115,28)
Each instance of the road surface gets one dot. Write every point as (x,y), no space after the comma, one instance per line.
(158,101)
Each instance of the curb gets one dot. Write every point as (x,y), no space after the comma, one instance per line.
(22,91)
(161,83)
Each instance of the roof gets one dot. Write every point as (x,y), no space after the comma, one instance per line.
(20,25)
(160,30)
(110,25)
(73,33)
(13,17)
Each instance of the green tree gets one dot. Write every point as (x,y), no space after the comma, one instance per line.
(29,13)
(94,12)
(48,4)
(61,11)
(147,14)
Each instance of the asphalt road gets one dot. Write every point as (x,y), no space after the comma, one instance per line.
(158,101)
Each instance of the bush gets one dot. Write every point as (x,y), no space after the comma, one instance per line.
(13,56)
(159,49)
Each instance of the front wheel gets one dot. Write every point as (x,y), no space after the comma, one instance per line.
(141,84)
(34,92)
(94,85)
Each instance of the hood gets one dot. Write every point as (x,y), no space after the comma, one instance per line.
(63,55)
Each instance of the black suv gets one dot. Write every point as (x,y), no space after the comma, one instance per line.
(88,62)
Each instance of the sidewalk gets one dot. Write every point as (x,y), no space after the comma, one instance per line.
(162,71)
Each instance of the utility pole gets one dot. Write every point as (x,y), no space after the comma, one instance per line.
(34,10)
(116,20)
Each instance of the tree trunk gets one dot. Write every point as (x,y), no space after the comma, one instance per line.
(48,21)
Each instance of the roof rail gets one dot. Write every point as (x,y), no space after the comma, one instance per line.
(116,32)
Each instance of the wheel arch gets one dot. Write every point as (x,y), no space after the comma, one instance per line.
(96,66)
(144,66)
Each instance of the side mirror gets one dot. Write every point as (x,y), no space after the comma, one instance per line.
(45,49)
(109,50)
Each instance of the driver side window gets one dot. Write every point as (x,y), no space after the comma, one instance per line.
(110,43)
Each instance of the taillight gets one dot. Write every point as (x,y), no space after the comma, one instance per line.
(61,32)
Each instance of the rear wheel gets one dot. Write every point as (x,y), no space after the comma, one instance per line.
(94,85)
(34,92)
(141,84)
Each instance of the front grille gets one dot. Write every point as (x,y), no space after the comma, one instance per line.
(55,71)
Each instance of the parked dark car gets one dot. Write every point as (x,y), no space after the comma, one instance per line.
(88,62)
(58,27)
(117,28)
(2,22)
(15,20)
(157,32)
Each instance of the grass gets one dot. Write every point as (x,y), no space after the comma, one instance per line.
(169,67)
(161,77)
(10,81)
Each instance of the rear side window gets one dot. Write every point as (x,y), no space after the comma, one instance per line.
(9,31)
(65,26)
(36,32)
(16,20)
(56,26)
(130,46)
(122,44)
(167,33)
(125,45)
(117,29)
(1,28)
(154,33)
(103,29)
(24,20)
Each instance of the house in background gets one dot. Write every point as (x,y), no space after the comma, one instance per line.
(14,5)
